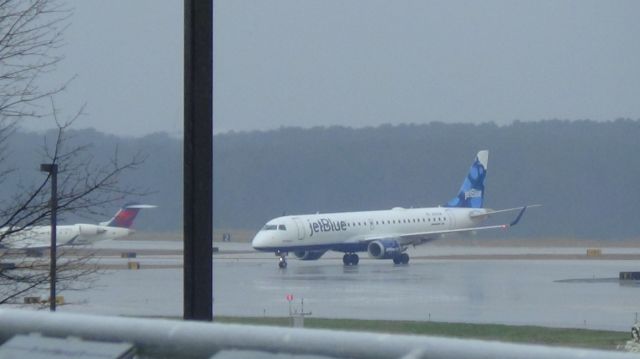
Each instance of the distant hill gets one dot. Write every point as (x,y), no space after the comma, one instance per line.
(585,173)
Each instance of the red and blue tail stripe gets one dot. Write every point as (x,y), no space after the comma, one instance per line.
(126,215)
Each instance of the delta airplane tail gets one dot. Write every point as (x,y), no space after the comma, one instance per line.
(126,215)
(471,194)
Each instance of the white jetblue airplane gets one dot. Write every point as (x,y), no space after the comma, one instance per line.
(39,237)
(383,234)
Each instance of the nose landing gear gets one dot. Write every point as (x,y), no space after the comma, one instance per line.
(282,260)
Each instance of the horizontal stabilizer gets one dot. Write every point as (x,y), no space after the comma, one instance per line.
(141,206)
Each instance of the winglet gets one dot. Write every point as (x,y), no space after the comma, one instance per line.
(518,218)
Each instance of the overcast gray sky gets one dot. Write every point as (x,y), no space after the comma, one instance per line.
(356,62)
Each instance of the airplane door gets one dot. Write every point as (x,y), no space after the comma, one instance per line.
(371,226)
(299,228)
(452,220)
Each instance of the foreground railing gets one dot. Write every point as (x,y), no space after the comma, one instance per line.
(176,338)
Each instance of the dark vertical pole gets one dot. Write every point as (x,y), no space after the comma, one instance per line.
(54,234)
(52,169)
(198,159)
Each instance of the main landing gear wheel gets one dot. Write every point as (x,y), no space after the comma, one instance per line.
(350,259)
(401,259)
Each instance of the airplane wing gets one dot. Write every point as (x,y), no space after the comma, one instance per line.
(427,236)
(26,244)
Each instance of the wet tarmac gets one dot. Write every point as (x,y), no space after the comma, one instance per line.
(549,292)
(494,291)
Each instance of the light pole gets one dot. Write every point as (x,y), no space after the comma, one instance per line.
(52,169)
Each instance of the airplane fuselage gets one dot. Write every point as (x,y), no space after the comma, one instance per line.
(350,231)
(40,236)
(383,234)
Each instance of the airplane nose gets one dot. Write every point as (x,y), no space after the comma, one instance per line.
(259,241)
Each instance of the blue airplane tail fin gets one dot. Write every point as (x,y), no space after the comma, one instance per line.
(471,194)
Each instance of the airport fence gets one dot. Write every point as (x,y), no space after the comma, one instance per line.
(176,338)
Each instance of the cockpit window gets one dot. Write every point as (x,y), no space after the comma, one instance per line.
(269,227)
(282,227)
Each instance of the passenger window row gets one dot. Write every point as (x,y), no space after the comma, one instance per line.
(413,220)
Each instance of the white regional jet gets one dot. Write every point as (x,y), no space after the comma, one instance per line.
(39,237)
(383,234)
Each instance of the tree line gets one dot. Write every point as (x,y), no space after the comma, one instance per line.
(584,173)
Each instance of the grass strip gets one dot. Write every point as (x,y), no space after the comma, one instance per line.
(568,337)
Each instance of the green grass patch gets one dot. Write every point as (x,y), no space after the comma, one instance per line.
(600,339)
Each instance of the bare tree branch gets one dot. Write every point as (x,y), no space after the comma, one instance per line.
(30,38)
(30,35)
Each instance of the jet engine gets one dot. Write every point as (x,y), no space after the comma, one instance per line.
(384,249)
(88,229)
(308,255)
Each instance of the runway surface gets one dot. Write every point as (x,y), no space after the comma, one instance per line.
(447,284)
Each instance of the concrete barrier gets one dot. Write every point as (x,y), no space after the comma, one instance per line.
(168,338)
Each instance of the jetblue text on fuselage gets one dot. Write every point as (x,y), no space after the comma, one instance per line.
(326,225)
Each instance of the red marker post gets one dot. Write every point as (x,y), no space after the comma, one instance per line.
(289,299)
